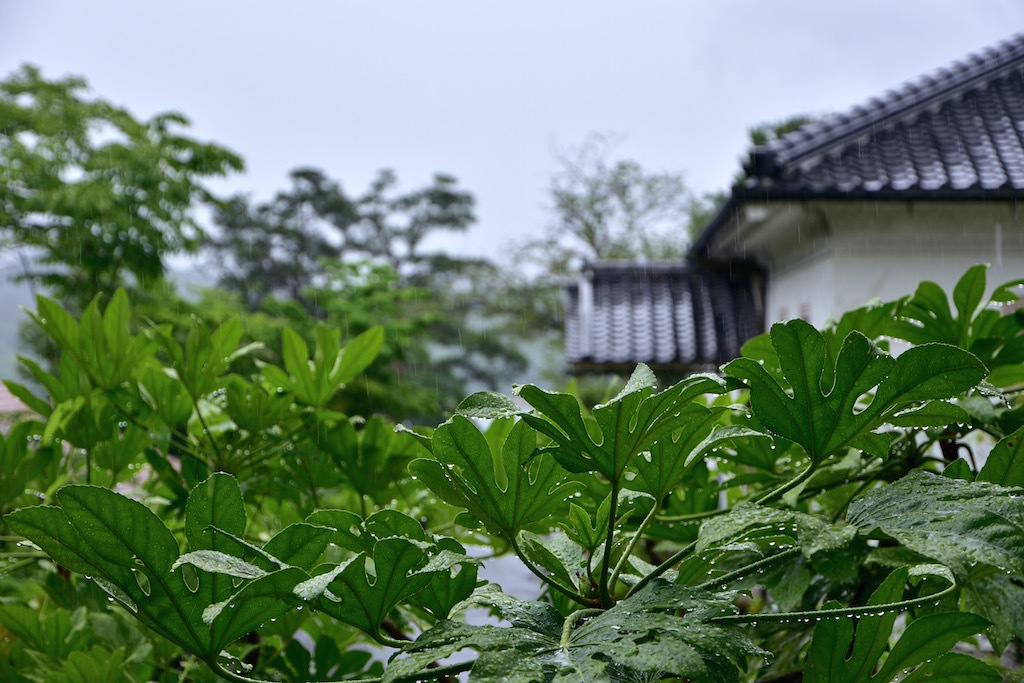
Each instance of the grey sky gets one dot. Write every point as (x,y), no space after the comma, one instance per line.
(486,90)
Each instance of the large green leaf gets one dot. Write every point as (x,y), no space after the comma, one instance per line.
(625,426)
(507,491)
(669,461)
(826,418)
(958,523)
(831,658)
(449,581)
(640,637)
(364,589)
(128,551)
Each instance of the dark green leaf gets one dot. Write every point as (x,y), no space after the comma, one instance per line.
(824,420)
(1005,464)
(954,667)
(506,491)
(955,522)
(627,425)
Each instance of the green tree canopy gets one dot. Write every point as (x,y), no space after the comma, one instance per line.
(94,196)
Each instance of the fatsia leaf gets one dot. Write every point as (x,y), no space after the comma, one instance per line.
(447,589)
(812,532)
(826,418)
(668,461)
(955,522)
(215,503)
(625,426)
(507,491)
(587,531)
(642,636)
(925,638)
(406,564)
(130,553)
(361,597)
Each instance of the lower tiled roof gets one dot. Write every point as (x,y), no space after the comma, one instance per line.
(680,316)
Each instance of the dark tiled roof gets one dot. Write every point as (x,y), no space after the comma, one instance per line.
(668,315)
(958,129)
(954,134)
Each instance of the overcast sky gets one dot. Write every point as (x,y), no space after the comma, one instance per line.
(486,90)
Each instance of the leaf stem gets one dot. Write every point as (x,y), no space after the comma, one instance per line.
(663,567)
(572,595)
(621,564)
(692,516)
(436,672)
(572,620)
(603,587)
(837,612)
(752,567)
(789,485)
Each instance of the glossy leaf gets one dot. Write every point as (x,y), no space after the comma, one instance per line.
(129,552)
(641,636)
(955,522)
(925,638)
(1005,464)
(825,419)
(406,564)
(625,426)
(506,491)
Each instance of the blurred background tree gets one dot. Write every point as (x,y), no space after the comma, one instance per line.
(92,198)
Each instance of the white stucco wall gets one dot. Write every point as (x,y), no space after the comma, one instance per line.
(865,250)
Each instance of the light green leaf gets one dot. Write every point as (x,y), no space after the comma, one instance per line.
(219,563)
(488,405)
(967,295)
(357,355)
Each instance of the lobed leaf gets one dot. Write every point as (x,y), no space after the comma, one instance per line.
(626,425)
(824,418)
(507,491)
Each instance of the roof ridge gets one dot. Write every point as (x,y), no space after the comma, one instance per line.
(904,101)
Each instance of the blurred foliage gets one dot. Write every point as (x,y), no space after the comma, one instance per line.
(94,196)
